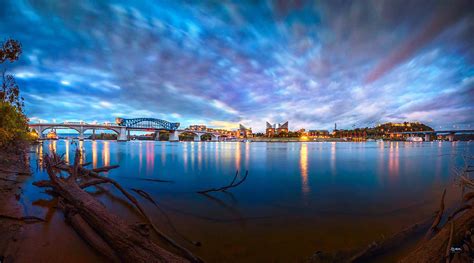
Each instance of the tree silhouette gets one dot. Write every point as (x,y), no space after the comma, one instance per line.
(13,122)
(10,50)
(10,92)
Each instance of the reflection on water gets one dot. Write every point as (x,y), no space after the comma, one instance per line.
(94,154)
(333,158)
(237,155)
(52,146)
(150,157)
(106,153)
(66,151)
(393,159)
(291,190)
(83,152)
(304,168)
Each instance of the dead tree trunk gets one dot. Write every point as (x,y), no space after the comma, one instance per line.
(126,243)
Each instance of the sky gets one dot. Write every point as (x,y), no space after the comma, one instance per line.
(221,63)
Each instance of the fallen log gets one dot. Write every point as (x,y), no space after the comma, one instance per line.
(100,179)
(88,234)
(127,243)
(434,250)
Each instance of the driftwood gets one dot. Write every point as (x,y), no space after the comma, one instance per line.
(100,179)
(146,179)
(104,169)
(231,185)
(434,227)
(87,233)
(95,224)
(434,250)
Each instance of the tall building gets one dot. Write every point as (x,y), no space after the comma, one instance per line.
(276,129)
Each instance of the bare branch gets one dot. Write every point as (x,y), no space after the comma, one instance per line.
(434,227)
(105,168)
(224,188)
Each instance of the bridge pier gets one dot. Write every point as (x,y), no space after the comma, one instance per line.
(174,136)
(122,136)
(157,136)
(427,137)
(40,131)
(81,133)
(214,138)
(197,138)
(93,134)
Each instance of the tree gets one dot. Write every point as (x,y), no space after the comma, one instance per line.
(10,92)
(13,122)
(10,50)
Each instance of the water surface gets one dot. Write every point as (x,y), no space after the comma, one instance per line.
(298,197)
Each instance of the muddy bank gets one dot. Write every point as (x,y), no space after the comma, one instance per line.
(14,170)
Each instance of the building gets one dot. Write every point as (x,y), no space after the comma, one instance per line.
(276,129)
(244,132)
(197,127)
(318,133)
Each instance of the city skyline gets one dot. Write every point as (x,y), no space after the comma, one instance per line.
(318,64)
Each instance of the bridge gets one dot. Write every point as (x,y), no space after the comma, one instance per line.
(122,128)
(427,134)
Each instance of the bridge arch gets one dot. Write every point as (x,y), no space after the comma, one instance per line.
(150,123)
(79,129)
(214,136)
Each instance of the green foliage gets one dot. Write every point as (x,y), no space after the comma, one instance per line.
(206,137)
(13,122)
(13,125)
(103,136)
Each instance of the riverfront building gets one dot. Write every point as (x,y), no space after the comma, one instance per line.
(244,132)
(276,129)
(319,133)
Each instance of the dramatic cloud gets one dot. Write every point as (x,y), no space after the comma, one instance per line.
(220,63)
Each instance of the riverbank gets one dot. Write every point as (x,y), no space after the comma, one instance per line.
(14,170)
(295,139)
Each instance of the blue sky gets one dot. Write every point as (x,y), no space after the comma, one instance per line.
(220,63)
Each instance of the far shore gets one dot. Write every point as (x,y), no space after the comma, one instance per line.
(263,139)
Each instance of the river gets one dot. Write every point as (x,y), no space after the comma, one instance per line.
(298,197)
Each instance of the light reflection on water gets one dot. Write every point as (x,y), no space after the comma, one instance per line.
(304,168)
(294,191)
